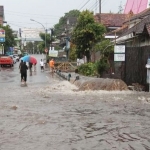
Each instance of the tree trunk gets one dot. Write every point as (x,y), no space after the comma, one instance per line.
(88,56)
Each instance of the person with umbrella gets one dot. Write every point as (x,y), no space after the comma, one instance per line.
(21,63)
(24,69)
(31,60)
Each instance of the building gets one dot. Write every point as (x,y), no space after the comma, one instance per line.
(1,15)
(31,34)
(138,32)
(136,39)
(110,20)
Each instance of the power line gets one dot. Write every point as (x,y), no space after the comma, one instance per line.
(30,14)
(84,4)
(81,4)
(94,5)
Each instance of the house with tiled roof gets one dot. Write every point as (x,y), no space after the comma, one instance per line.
(137,31)
(111,21)
(136,38)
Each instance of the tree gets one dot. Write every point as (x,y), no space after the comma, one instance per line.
(87,33)
(32,45)
(72,53)
(49,40)
(105,47)
(9,37)
(60,27)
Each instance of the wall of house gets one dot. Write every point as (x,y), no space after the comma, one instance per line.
(138,41)
(134,68)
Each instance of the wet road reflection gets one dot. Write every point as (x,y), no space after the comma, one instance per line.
(12,74)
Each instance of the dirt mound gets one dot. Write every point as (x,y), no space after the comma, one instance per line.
(101,84)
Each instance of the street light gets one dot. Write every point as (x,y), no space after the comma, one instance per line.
(43,27)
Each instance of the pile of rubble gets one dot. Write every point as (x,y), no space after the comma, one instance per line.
(100,84)
(93,83)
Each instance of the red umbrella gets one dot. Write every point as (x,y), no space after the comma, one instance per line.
(33,60)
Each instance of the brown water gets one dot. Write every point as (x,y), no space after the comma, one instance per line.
(55,117)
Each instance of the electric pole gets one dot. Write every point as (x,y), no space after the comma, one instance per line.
(100,11)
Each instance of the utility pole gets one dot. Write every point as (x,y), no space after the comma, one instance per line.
(100,10)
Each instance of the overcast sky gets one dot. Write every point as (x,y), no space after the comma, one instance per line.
(19,12)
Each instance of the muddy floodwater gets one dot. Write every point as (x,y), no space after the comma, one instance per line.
(54,116)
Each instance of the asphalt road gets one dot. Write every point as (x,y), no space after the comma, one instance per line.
(11,76)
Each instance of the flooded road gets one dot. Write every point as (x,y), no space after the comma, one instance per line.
(49,114)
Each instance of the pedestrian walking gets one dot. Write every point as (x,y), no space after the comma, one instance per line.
(34,67)
(21,63)
(30,68)
(51,65)
(42,65)
(24,69)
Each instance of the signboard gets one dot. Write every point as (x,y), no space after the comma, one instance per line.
(2,35)
(46,50)
(2,39)
(1,49)
(119,57)
(119,49)
(53,53)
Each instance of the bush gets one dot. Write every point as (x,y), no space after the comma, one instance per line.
(88,69)
(101,66)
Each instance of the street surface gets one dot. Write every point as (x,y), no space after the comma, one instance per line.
(49,114)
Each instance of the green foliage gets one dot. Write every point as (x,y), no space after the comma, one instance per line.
(87,32)
(88,69)
(9,37)
(49,39)
(29,46)
(57,47)
(60,27)
(72,53)
(101,66)
(105,47)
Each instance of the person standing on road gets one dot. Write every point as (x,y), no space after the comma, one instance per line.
(42,65)
(21,63)
(51,64)
(30,68)
(34,67)
(24,69)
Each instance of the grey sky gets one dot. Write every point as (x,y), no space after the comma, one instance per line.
(19,12)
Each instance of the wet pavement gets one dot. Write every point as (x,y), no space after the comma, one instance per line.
(49,114)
